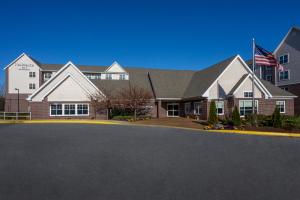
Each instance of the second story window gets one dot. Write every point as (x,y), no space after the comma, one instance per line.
(47,76)
(248,94)
(122,76)
(32,86)
(269,77)
(284,75)
(283,59)
(31,74)
(108,76)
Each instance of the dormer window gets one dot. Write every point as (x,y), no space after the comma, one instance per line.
(122,77)
(283,59)
(108,76)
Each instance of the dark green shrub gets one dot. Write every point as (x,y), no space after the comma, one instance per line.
(276,118)
(289,124)
(236,119)
(122,118)
(212,118)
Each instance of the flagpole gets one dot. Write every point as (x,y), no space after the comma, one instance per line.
(253,67)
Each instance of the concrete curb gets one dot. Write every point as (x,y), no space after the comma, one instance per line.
(107,122)
(61,122)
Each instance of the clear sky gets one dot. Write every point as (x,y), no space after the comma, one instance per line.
(163,34)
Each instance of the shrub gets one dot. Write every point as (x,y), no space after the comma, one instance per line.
(276,118)
(236,119)
(212,118)
(122,118)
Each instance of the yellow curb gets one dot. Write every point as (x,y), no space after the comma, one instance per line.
(59,122)
(259,133)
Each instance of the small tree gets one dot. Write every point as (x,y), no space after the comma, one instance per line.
(212,118)
(135,99)
(276,118)
(236,119)
(103,100)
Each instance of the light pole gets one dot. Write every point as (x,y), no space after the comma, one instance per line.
(18,99)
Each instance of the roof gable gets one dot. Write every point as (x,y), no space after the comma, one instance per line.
(294,42)
(69,70)
(115,68)
(20,57)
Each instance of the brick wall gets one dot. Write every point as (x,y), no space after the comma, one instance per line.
(11,102)
(295,89)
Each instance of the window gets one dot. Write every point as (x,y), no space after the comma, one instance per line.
(56,109)
(122,76)
(108,76)
(82,109)
(220,107)
(197,108)
(269,68)
(281,106)
(93,76)
(32,86)
(187,108)
(31,74)
(285,88)
(283,59)
(284,75)
(248,94)
(47,76)
(69,109)
(173,110)
(269,77)
(246,107)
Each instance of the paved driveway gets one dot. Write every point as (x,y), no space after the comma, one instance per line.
(73,162)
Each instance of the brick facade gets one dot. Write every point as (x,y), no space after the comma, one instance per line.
(295,89)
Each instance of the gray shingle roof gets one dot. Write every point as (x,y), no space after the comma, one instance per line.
(276,91)
(201,80)
(182,84)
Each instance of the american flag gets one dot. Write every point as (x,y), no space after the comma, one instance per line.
(266,58)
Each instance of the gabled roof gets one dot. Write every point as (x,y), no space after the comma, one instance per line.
(203,79)
(292,42)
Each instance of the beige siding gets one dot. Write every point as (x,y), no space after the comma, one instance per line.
(247,87)
(70,70)
(228,79)
(69,90)
(18,76)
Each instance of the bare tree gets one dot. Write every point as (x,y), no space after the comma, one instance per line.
(136,99)
(102,101)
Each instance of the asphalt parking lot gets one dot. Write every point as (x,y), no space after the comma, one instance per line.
(72,161)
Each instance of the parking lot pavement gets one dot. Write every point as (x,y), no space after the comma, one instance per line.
(72,161)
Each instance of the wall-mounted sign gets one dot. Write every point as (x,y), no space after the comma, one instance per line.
(24,66)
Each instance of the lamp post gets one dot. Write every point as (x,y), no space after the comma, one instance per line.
(18,99)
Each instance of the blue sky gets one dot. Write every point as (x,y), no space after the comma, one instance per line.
(163,34)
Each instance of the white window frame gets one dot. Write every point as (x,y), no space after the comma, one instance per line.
(32,74)
(249,92)
(172,110)
(32,86)
(288,58)
(122,77)
(62,109)
(68,115)
(256,102)
(189,106)
(197,109)
(284,79)
(70,104)
(217,107)
(280,105)
(45,76)
(108,76)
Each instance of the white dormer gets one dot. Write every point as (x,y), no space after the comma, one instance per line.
(115,72)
